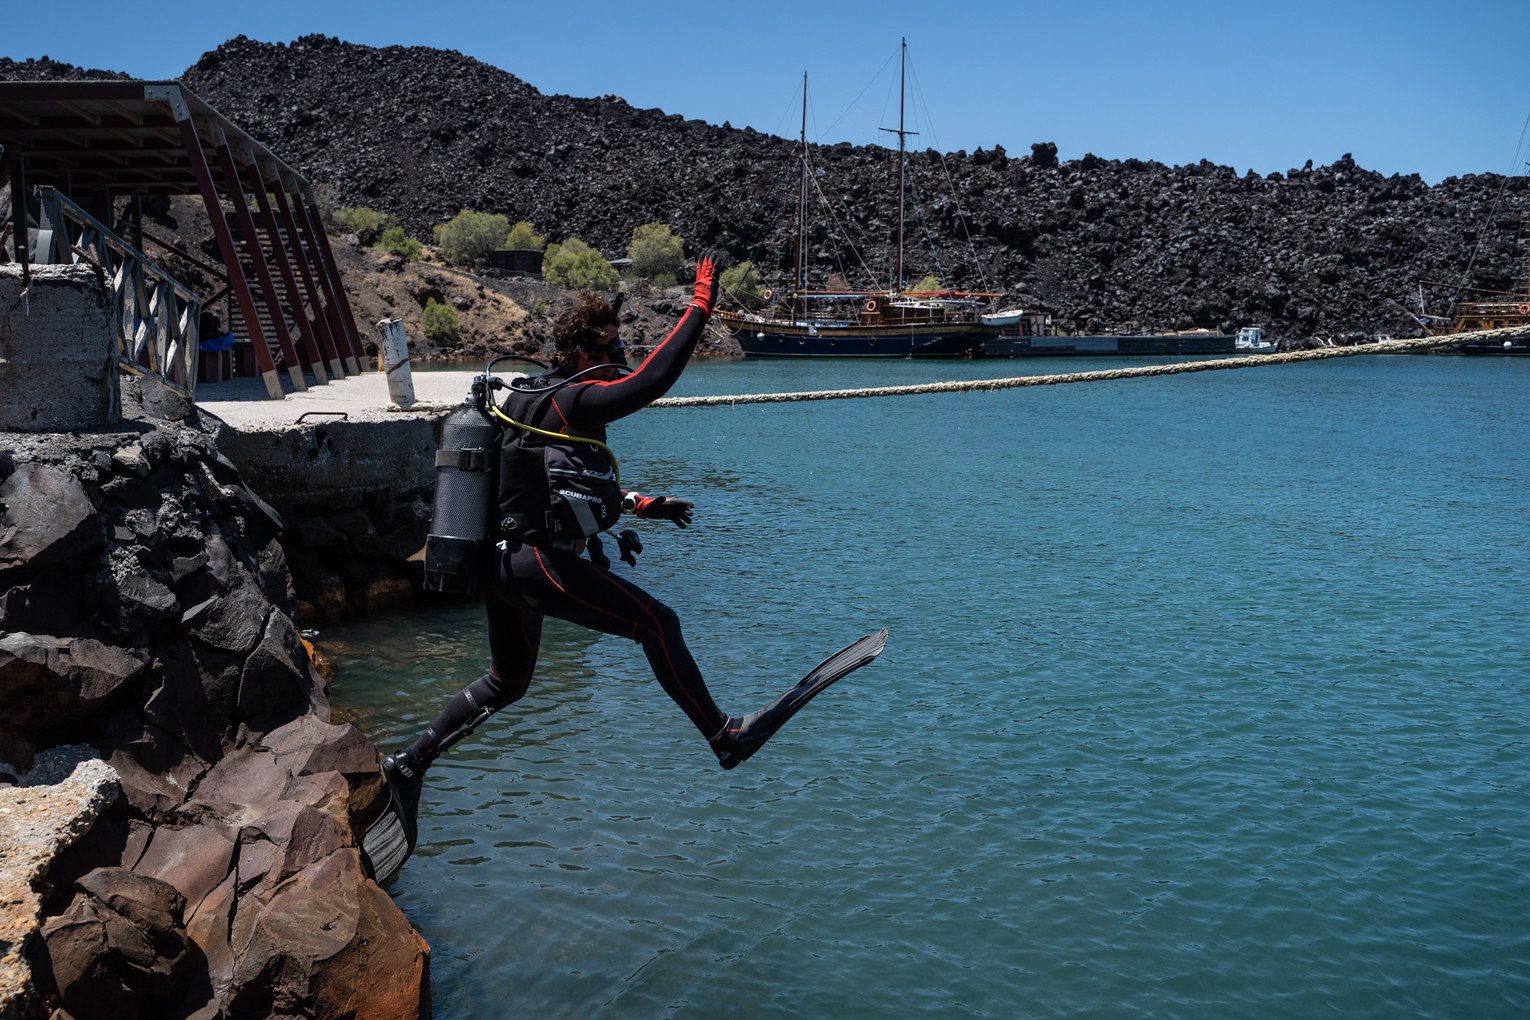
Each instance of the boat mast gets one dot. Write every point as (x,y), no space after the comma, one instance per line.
(802,190)
(902,135)
(898,271)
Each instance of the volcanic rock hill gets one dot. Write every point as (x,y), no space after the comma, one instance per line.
(423,132)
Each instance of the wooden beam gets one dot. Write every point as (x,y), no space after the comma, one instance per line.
(258,262)
(312,229)
(319,322)
(236,279)
(344,304)
(18,176)
(284,271)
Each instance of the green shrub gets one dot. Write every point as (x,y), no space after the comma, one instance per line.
(655,251)
(930,282)
(367,224)
(524,237)
(469,236)
(439,322)
(741,283)
(575,264)
(399,243)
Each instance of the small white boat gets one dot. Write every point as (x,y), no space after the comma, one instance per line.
(1008,317)
(1251,340)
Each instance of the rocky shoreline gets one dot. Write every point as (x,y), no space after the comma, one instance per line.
(205,863)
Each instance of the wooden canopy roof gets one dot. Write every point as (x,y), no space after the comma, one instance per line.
(122,137)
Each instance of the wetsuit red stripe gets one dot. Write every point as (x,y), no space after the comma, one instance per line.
(574,598)
(674,671)
(657,630)
(651,354)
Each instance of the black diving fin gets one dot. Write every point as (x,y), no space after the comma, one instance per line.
(741,738)
(389,840)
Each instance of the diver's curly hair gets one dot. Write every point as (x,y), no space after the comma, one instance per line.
(579,325)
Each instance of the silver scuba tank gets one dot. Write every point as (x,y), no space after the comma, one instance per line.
(459,523)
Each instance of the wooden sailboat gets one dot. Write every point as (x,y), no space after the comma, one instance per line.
(1492,310)
(890,323)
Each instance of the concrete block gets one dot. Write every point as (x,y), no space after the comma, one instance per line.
(58,351)
(335,461)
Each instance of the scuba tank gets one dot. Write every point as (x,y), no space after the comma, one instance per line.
(459,521)
(473,446)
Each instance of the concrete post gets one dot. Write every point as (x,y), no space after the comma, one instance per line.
(58,350)
(393,345)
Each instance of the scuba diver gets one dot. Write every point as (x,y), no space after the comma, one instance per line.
(557,489)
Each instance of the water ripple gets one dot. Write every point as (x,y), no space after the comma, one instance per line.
(1204,697)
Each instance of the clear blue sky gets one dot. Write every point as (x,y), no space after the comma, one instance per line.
(1407,86)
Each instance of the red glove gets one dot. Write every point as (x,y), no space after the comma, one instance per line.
(708,271)
(664,508)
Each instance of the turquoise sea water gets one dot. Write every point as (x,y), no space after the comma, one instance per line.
(1205,696)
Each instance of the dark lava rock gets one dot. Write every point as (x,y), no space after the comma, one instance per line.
(53,683)
(45,517)
(1104,243)
(422,133)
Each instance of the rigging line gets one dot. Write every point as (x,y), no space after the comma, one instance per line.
(1107,375)
(1497,200)
(842,227)
(961,218)
(791,104)
(829,205)
(857,98)
(940,268)
(813,176)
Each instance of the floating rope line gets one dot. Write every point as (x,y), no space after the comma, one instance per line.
(1428,343)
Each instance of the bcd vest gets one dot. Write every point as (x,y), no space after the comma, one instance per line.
(551,490)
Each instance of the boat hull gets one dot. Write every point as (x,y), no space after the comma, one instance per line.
(1145,344)
(1489,349)
(919,340)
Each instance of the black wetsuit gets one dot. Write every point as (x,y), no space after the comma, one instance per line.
(527,582)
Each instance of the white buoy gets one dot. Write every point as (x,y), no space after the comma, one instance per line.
(393,351)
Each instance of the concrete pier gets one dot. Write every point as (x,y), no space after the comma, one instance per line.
(352,481)
(243,403)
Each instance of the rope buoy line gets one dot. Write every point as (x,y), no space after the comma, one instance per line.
(1428,343)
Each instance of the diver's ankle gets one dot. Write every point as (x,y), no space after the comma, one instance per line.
(404,765)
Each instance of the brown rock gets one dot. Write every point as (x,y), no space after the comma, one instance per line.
(209,927)
(248,776)
(195,860)
(300,836)
(307,746)
(147,902)
(387,592)
(331,942)
(156,771)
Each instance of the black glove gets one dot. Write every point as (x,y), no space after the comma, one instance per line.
(597,552)
(664,508)
(629,545)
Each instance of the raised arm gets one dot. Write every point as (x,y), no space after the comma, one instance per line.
(593,404)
